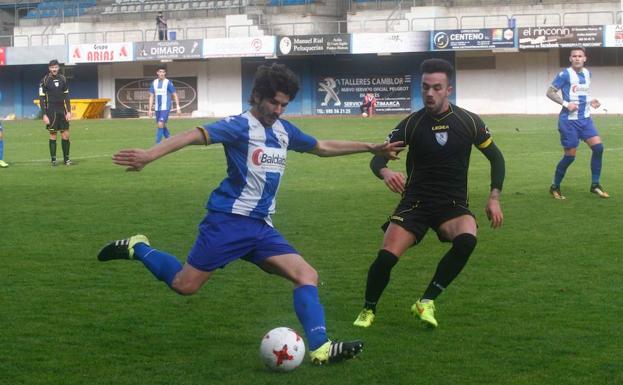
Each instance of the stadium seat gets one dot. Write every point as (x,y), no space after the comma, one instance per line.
(203,4)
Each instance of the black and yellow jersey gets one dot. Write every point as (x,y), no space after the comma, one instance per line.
(54,94)
(439,148)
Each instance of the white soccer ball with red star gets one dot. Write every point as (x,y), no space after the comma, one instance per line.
(282,349)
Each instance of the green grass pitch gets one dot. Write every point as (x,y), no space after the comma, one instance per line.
(540,301)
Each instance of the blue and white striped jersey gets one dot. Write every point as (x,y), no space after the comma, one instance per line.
(575,88)
(163,90)
(256,161)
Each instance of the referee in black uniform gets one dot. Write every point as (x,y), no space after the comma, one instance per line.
(439,139)
(54,102)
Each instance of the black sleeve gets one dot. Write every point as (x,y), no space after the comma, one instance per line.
(498,170)
(398,134)
(66,93)
(377,163)
(42,99)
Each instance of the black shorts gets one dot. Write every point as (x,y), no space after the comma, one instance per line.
(417,216)
(57,122)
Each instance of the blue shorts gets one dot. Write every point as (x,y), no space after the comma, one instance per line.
(571,131)
(223,238)
(162,116)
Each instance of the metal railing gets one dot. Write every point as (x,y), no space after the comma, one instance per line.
(317,27)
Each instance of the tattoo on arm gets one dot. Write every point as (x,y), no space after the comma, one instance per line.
(552,93)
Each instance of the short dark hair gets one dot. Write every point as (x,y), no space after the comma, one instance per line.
(161,67)
(577,48)
(53,62)
(272,79)
(430,66)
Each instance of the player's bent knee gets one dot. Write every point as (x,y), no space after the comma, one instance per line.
(598,148)
(464,243)
(306,276)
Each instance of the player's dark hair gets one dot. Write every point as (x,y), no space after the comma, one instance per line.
(272,79)
(577,48)
(53,62)
(431,66)
(162,67)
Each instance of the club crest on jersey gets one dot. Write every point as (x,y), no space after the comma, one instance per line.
(56,83)
(442,137)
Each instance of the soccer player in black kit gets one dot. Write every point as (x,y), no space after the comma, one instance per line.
(439,139)
(54,103)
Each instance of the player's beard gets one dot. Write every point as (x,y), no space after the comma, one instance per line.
(266,117)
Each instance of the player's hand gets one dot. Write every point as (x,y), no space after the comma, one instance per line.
(494,213)
(572,106)
(395,181)
(135,159)
(388,150)
(595,104)
(68,116)
(179,111)
(46,120)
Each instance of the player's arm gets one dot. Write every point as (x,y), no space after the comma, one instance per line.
(136,158)
(498,171)
(394,180)
(151,104)
(43,101)
(177,103)
(67,101)
(327,148)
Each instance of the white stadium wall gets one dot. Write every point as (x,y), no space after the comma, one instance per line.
(218,82)
(518,84)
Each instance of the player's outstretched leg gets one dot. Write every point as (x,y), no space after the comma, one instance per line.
(378,278)
(162,265)
(310,313)
(449,267)
(336,351)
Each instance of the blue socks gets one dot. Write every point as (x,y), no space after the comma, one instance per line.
(311,315)
(1,149)
(162,133)
(162,265)
(561,169)
(598,151)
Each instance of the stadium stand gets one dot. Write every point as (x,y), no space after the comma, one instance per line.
(65,8)
(61,22)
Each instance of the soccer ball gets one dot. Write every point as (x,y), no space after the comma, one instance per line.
(364,114)
(282,349)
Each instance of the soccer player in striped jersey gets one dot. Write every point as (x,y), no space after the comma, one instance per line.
(238,223)
(574,121)
(161,91)
(3,164)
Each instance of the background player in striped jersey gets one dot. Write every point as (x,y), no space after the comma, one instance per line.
(238,224)
(3,164)
(161,91)
(574,121)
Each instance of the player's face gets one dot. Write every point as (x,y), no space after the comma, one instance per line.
(161,74)
(53,69)
(435,92)
(268,110)
(577,59)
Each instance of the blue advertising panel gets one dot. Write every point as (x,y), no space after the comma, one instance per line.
(342,95)
(473,39)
